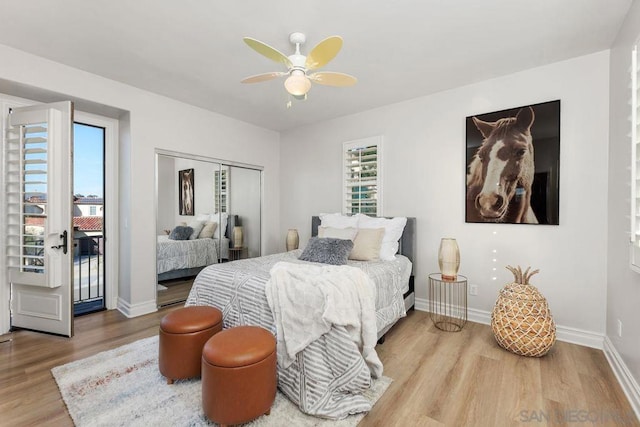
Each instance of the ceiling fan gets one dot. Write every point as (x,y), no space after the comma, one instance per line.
(299,66)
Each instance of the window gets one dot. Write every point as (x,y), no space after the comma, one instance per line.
(362,176)
(635,164)
(92,210)
(221,184)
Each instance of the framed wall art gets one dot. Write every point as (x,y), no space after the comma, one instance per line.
(186,202)
(513,165)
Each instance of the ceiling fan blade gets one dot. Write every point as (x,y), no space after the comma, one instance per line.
(262,77)
(331,78)
(323,52)
(268,51)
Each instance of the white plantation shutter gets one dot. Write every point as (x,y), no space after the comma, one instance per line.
(26,152)
(221,185)
(363,176)
(635,163)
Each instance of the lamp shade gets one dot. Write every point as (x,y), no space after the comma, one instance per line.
(237,236)
(297,84)
(449,258)
(293,240)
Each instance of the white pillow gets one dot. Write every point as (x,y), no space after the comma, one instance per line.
(393,229)
(337,220)
(223,221)
(338,233)
(197,227)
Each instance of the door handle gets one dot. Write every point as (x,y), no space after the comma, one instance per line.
(63,246)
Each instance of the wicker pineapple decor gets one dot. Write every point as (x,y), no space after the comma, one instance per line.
(521,320)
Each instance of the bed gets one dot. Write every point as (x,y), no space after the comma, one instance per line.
(186,258)
(325,379)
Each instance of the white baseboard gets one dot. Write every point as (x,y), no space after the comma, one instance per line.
(135,310)
(563,333)
(422,304)
(627,382)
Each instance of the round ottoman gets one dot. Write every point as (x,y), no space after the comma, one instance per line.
(238,375)
(183,333)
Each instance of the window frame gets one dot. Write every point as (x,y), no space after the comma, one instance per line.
(376,141)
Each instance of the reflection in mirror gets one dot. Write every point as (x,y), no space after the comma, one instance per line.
(221,188)
(244,201)
(219,198)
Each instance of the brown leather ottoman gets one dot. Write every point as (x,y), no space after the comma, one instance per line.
(183,333)
(238,375)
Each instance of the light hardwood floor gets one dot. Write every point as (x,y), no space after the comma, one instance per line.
(440,378)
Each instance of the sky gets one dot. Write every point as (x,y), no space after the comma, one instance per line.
(88,162)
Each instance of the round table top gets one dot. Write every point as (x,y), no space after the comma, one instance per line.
(438,276)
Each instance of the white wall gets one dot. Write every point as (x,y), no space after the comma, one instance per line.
(623,285)
(151,122)
(424,176)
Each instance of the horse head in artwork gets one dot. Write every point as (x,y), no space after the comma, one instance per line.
(187,192)
(501,172)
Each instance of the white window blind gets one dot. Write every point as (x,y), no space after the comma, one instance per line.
(635,163)
(27,191)
(220,189)
(362,176)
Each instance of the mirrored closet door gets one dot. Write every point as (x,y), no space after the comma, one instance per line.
(207,212)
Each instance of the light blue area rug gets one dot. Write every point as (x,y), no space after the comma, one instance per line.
(123,387)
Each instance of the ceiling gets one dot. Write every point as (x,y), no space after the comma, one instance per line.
(192,50)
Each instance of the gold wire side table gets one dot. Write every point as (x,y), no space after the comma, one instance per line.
(448,302)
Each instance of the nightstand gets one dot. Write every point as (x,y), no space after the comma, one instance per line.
(448,302)
(238,253)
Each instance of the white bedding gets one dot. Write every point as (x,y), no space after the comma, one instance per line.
(328,377)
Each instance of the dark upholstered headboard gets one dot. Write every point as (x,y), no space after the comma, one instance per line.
(407,245)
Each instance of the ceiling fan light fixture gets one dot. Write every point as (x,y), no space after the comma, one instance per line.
(300,73)
(297,84)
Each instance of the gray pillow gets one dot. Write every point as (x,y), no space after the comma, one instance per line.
(327,251)
(181,233)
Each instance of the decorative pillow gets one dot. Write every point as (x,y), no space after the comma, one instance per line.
(181,233)
(366,246)
(337,220)
(197,227)
(327,251)
(338,233)
(393,229)
(208,230)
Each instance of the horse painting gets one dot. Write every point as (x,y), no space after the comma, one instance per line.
(501,172)
(186,192)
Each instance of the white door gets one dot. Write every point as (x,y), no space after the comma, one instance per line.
(39,181)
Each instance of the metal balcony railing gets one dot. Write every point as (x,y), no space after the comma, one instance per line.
(88,264)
